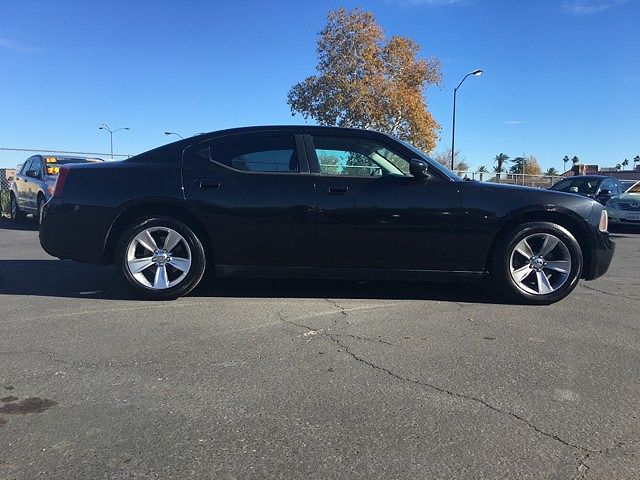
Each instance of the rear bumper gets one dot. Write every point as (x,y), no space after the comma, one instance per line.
(75,232)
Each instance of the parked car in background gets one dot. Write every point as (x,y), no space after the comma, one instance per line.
(598,187)
(34,181)
(624,209)
(305,201)
(627,184)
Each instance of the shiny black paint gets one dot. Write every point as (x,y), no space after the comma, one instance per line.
(308,224)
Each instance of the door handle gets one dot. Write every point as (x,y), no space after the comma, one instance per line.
(338,190)
(209,184)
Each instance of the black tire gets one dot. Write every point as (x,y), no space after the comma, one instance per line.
(40,206)
(195,249)
(504,256)
(17,215)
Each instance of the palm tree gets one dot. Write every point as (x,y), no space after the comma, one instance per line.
(575,160)
(551,172)
(482,170)
(636,159)
(500,160)
(565,160)
(618,167)
(625,162)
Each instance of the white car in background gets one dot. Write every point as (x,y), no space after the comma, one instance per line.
(624,209)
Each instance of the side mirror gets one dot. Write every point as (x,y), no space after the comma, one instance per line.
(418,168)
(32,174)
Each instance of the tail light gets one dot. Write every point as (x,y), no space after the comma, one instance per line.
(603,226)
(62,178)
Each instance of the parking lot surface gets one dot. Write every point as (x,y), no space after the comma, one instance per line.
(289,379)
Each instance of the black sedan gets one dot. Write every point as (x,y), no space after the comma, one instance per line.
(318,202)
(598,187)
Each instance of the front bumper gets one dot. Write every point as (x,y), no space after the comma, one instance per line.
(601,256)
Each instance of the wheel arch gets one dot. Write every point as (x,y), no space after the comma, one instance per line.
(567,219)
(163,208)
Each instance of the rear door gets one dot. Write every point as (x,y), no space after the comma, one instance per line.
(375,215)
(35,183)
(257,195)
(22,185)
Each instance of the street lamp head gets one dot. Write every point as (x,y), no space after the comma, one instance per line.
(126,128)
(477,72)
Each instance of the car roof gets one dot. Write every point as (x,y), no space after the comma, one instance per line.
(594,177)
(284,128)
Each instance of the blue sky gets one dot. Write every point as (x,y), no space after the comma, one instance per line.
(561,77)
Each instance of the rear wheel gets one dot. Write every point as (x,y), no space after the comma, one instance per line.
(537,263)
(161,258)
(17,215)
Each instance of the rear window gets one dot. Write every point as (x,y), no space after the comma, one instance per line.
(52,164)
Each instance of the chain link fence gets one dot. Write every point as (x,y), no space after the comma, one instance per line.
(538,181)
(11,159)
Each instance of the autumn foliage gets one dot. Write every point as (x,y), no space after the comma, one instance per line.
(366,81)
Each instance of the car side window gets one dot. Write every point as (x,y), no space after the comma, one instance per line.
(37,166)
(273,154)
(361,157)
(618,189)
(26,166)
(607,185)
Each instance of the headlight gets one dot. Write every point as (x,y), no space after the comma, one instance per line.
(603,226)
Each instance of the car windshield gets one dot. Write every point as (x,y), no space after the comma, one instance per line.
(587,186)
(634,189)
(53,163)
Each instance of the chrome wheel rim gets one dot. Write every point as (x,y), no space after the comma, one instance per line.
(158,258)
(540,264)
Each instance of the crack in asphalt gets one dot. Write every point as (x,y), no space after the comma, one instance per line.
(582,467)
(335,304)
(365,339)
(442,390)
(619,295)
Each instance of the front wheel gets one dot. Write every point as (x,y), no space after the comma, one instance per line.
(161,258)
(537,263)
(17,215)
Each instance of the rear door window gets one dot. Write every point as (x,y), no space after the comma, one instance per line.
(268,154)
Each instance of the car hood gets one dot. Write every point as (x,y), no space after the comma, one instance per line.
(509,199)
(628,197)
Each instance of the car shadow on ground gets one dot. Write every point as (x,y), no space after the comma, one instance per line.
(61,278)
(27,225)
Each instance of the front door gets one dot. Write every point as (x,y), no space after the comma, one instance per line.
(257,195)
(373,214)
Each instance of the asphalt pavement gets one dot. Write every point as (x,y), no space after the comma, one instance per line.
(253,379)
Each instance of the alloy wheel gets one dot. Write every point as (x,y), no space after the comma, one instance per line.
(158,258)
(540,264)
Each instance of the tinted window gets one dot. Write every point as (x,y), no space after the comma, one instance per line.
(37,165)
(578,185)
(26,166)
(357,157)
(257,154)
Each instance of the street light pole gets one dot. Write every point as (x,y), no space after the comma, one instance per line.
(174,133)
(475,73)
(106,127)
